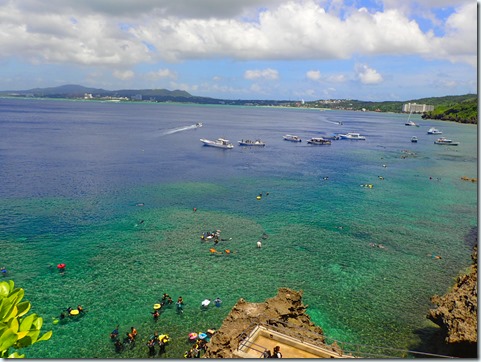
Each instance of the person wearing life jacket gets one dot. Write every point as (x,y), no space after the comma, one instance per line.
(133,331)
(180,305)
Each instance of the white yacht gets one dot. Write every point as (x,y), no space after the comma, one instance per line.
(352,136)
(433,130)
(219,143)
(289,137)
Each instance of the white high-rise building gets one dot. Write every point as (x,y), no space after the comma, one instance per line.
(417,108)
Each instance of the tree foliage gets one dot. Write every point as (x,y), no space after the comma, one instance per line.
(463,112)
(17,330)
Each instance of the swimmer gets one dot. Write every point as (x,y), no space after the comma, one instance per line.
(180,305)
(4,271)
(194,209)
(217,302)
(114,333)
(165,296)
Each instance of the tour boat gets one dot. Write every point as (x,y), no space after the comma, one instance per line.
(352,136)
(445,141)
(251,143)
(219,143)
(289,137)
(319,141)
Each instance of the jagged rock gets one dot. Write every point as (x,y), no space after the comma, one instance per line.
(457,313)
(284,311)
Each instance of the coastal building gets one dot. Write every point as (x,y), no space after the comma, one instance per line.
(417,108)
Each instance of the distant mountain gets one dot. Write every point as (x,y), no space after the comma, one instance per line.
(158,95)
(78,91)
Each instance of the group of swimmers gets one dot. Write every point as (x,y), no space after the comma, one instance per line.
(198,347)
(128,340)
(212,236)
(167,300)
(161,341)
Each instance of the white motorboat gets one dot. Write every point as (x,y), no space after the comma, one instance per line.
(319,141)
(433,130)
(251,143)
(292,138)
(414,139)
(198,124)
(445,141)
(352,136)
(219,143)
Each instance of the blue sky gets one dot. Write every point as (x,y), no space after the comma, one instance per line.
(251,49)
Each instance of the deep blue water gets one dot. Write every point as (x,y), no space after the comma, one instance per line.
(73,172)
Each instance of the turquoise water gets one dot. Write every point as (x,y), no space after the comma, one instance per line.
(74,173)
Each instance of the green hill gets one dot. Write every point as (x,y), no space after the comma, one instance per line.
(464,111)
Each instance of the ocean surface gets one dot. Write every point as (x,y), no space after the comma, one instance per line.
(109,189)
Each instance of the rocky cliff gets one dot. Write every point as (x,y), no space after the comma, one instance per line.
(284,312)
(457,314)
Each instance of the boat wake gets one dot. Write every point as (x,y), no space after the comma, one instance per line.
(333,122)
(181,129)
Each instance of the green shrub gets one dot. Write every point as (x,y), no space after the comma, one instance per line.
(16,329)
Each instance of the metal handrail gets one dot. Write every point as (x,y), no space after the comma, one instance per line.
(346,347)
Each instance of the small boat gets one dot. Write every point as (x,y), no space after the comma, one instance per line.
(289,137)
(219,143)
(198,124)
(251,143)
(433,130)
(409,122)
(414,139)
(445,141)
(319,141)
(352,136)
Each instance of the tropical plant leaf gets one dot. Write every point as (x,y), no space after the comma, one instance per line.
(27,322)
(16,355)
(4,289)
(7,339)
(23,308)
(46,336)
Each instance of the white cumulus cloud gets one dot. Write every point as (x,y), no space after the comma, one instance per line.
(313,75)
(367,75)
(162,73)
(123,74)
(127,33)
(268,74)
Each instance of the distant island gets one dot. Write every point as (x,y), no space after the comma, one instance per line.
(460,108)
